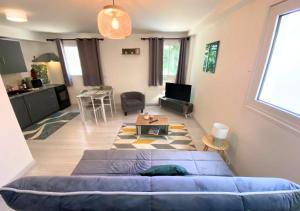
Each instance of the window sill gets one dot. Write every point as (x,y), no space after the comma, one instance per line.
(169,79)
(278,117)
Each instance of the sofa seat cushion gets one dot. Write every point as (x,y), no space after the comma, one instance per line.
(165,170)
(134,103)
(133,162)
(151,193)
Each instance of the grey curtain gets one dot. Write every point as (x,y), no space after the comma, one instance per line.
(182,62)
(89,53)
(156,47)
(62,59)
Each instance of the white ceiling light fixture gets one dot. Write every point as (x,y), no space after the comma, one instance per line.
(16,15)
(114,22)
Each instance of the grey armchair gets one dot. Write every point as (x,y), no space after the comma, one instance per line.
(132,101)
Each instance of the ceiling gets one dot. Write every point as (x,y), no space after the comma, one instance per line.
(78,16)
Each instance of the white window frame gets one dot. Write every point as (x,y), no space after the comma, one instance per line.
(279,116)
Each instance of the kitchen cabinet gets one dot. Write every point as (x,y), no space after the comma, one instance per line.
(11,57)
(41,104)
(21,112)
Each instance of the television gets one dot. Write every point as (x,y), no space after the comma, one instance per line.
(178,91)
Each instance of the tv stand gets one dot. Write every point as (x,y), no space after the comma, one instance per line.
(179,106)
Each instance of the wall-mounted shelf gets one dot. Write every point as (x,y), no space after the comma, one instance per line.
(131,51)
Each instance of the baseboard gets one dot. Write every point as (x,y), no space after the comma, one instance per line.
(196,120)
(118,105)
(152,104)
(25,170)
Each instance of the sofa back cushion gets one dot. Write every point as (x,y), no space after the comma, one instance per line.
(151,193)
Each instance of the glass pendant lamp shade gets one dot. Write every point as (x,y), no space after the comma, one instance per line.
(114,22)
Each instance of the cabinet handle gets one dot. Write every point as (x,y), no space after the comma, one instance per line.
(3,60)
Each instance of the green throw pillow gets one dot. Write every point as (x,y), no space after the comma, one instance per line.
(165,170)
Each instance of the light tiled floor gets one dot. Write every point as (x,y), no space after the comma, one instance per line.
(60,152)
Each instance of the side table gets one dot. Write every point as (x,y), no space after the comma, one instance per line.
(208,142)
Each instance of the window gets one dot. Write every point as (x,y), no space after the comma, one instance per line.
(275,89)
(72,58)
(170,60)
(281,83)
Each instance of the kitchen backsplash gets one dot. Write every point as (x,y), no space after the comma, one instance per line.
(14,79)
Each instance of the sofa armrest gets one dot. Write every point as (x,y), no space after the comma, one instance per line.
(142,98)
(123,100)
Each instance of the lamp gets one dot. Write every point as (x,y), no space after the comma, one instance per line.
(219,132)
(114,22)
(16,15)
(46,57)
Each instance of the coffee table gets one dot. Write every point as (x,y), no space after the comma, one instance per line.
(158,128)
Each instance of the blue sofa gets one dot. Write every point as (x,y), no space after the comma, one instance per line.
(132,192)
(133,162)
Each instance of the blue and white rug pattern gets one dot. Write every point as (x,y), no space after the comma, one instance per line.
(46,127)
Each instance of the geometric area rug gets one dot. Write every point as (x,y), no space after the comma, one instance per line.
(177,139)
(43,129)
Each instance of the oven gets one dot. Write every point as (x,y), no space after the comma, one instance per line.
(62,96)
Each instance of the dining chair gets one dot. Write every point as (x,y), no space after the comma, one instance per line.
(86,104)
(110,96)
(102,100)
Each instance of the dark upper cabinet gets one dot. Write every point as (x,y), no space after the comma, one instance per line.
(41,104)
(21,112)
(11,57)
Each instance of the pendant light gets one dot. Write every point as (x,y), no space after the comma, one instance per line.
(15,15)
(114,22)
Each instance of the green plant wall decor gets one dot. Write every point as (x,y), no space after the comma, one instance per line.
(210,57)
(42,72)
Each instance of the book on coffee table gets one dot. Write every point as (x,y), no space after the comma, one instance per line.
(154,131)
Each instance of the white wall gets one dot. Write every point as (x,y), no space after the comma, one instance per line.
(259,146)
(32,44)
(128,72)
(30,49)
(21,34)
(124,72)
(15,156)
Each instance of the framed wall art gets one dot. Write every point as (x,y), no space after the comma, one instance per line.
(211,56)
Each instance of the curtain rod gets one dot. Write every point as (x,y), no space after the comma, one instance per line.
(166,38)
(75,39)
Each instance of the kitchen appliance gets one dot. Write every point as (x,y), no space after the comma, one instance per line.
(36,83)
(62,96)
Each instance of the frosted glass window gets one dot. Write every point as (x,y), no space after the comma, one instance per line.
(73,60)
(280,87)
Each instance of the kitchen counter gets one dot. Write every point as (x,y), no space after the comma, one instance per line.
(36,104)
(34,90)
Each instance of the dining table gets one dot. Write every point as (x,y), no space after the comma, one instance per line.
(93,95)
